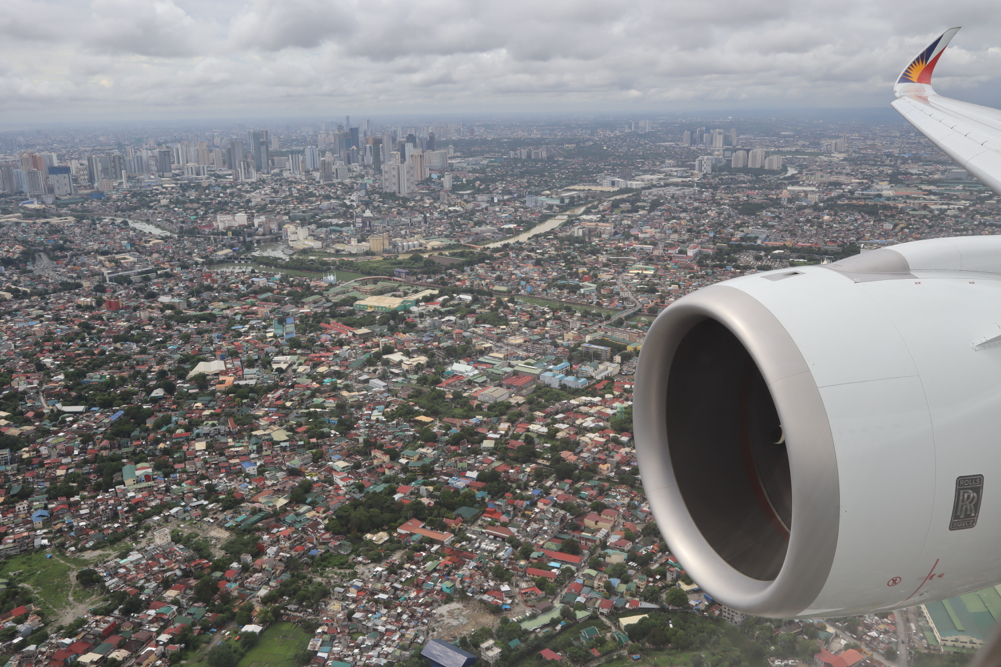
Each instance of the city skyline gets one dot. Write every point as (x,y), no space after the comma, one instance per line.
(110,60)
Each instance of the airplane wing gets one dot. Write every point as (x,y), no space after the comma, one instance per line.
(968,133)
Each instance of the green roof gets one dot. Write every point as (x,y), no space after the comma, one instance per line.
(970,615)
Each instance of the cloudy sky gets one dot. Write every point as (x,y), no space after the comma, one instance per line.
(79,60)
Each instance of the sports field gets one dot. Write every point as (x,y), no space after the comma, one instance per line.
(277,646)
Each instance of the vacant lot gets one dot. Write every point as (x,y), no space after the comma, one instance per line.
(459,619)
(276,647)
(52,580)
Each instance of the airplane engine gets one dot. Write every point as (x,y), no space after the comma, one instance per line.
(826,440)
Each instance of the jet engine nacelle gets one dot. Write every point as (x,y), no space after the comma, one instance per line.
(826,440)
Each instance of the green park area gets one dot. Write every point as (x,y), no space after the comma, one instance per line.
(277,647)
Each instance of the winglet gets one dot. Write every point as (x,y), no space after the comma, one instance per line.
(920,69)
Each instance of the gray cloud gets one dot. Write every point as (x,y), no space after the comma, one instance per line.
(272,25)
(303,57)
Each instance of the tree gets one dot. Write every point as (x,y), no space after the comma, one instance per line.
(245,615)
(657,636)
(677,597)
(222,655)
(88,577)
(564,470)
(891,653)
(571,547)
(204,591)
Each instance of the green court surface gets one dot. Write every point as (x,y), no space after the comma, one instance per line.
(277,646)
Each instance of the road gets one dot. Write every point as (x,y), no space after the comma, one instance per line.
(847,637)
(900,621)
(626,293)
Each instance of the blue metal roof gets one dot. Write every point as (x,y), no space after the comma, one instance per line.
(447,655)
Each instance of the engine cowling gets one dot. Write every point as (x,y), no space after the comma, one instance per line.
(817,441)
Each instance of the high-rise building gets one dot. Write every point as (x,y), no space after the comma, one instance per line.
(163,163)
(261,147)
(739,159)
(436,159)
(7,179)
(116,166)
(235,154)
(717,138)
(387,146)
(399,177)
(61,181)
(420,167)
(94,172)
(312,158)
(704,164)
(36,181)
(756,158)
(686,138)
(379,243)
(773,162)
(20,181)
(431,141)
(32,161)
(732,134)
(327,169)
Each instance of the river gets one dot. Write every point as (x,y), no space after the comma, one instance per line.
(541,228)
(148,228)
(551,223)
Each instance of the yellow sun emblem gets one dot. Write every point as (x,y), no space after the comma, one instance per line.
(915,69)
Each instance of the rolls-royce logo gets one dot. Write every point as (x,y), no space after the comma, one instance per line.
(966,507)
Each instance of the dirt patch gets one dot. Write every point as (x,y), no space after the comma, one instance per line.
(459,619)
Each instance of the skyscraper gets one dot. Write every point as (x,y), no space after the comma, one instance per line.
(7,179)
(94,172)
(756,158)
(235,154)
(32,161)
(36,181)
(773,162)
(61,181)
(163,163)
(327,169)
(312,158)
(116,166)
(261,147)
